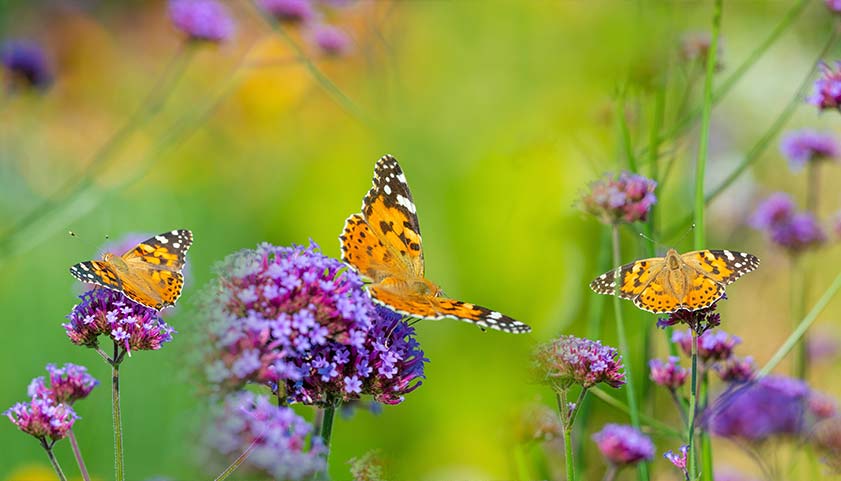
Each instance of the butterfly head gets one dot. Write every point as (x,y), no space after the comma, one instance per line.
(115,261)
(673,259)
(425,288)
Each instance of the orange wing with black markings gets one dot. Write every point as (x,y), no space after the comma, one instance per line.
(722,266)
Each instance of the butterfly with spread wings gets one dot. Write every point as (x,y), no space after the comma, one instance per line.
(691,281)
(383,243)
(149,274)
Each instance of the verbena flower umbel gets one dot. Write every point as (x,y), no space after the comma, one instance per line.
(679,459)
(827,89)
(26,63)
(294,317)
(42,418)
(668,374)
(332,41)
(68,384)
(805,146)
(623,445)
(571,360)
(712,345)
(625,198)
(777,208)
(289,11)
(736,369)
(821,405)
(834,5)
(785,227)
(699,321)
(104,312)
(284,446)
(202,20)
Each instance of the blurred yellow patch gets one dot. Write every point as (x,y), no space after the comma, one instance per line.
(36,472)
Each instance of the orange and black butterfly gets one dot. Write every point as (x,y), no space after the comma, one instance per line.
(690,281)
(149,274)
(383,243)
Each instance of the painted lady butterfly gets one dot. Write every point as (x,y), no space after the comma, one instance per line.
(149,274)
(383,243)
(690,281)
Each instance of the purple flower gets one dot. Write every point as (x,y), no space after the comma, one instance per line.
(821,405)
(700,320)
(776,209)
(292,315)
(834,5)
(836,222)
(623,445)
(822,345)
(668,374)
(827,438)
(289,11)
(735,369)
(42,418)
(801,233)
(67,384)
(626,198)
(132,326)
(202,20)
(284,445)
(332,41)
(804,146)
(772,406)
(712,345)
(27,63)
(679,459)
(572,360)
(827,90)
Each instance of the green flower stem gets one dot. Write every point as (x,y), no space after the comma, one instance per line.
(238,461)
(569,459)
(625,133)
(77,453)
(521,463)
(610,473)
(48,447)
(326,430)
(680,404)
(706,441)
(658,426)
(116,418)
(642,468)
(692,465)
(801,329)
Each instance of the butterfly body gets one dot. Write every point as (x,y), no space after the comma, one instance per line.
(691,281)
(383,243)
(149,274)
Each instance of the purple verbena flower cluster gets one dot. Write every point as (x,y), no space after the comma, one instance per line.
(68,384)
(571,360)
(623,445)
(712,345)
(668,374)
(736,369)
(679,459)
(827,89)
(130,325)
(281,443)
(202,20)
(26,63)
(329,39)
(834,5)
(625,198)
(42,418)
(700,320)
(294,317)
(805,146)
(787,228)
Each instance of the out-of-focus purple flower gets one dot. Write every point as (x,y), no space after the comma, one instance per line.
(538,423)
(834,5)
(827,89)
(289,11)
(293,316)
(668,374)
(132,326)
(332,41)
(735,369)
(836,222)
(729,474)
(626,198)
(679,459)
(572,360)
(826,436)
(821,405)
(68,384)
(801,233)
(778,208)
(804,146)
(282,443)
(27,64)
(202,20)
(822,345)
(772,406)
(623,445)
(700,320)
(695,47)
(712,345)
(42,418)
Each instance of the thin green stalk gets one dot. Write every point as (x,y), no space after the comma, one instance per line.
(326,430)
(521,463)
(77,453)
(692,465)
(706,441)
(238,461)
(48,447)
(116,418)
(658,426)
(642,468)
(625,133)
(563,412)
(801,329)
(610,473)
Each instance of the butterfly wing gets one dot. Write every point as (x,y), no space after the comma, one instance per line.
(656,297)
(154,276)
(100,273)
(635,278)
(722,266)
(365,252)
(435,308)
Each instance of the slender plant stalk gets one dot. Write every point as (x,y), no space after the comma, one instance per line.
(625,133)
(692,465)
(238,461)
(563,412)
(48,447)
(116,418)
(78,454)
(642,468)
(706,442)
(610,473)
(521,463)
(658,426)
(801,329)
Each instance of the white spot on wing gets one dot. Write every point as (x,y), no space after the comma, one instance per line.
(406,203)
(387,189)
(161,239)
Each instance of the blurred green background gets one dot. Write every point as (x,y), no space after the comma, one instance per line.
(500,114)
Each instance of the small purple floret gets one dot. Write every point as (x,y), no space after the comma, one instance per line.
(668,374)
(827,89)
(68,384)
(331,40)
(42,418)
(625,198)
(203,20)
(623,445)
(804,146)
(572,360)
(289,11)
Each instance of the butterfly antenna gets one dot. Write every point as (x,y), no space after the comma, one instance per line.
(690,229)
(642,234)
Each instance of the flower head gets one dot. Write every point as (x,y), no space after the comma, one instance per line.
(203,20)
(668,374)
(289,11)
(712,345)
(700,320)
(42,418)
(332,41)
(284,446)
(772,406)
(735,369)
(804,146)
(626,198)
(290,315)
(827,89)
(623,445)
(68,384)
(834,5)
(827,438)
(821,405)
(801,233)
(822,346)
(27,63)
(776,209)
(572,360)
(538,423)
(679,459)
(132,326)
